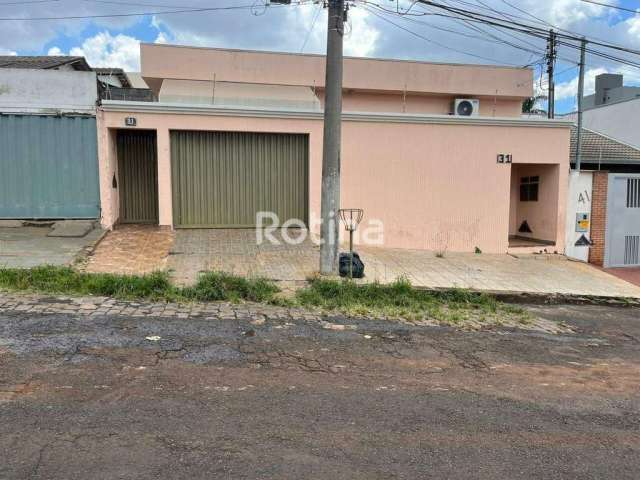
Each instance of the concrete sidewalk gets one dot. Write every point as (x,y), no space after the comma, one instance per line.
(546,274)
(236,251)
(187,253)
(26,247)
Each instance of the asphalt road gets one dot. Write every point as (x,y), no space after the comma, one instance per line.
(86,398)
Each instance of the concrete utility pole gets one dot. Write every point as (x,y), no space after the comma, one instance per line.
(330,203)
(551,63)
(583,49)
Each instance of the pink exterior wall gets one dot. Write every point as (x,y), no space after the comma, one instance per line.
(378,76)
(398,102)
(107,167)
(431,184)
(170,61)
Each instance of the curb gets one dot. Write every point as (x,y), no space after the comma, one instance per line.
(523,298)
(532,298)
(86,251)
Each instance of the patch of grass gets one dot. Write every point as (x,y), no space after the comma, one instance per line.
(397,300)
(401,300)
(65,280)
(211,286)
(218,286)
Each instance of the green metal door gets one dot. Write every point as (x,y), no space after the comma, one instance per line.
(48,167)
(223,179)
(138,176)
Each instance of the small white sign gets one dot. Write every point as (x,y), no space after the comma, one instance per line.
(130,121)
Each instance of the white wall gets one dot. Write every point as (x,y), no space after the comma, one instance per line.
(46,91)
(618,120)
(579,201)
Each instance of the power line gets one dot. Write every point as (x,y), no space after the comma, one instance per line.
(534,31)
(415,34)
(136,4)
(537,20)
(485,36)
(27,3)
(313,24)
(470,26)
(509,34)
(143,14)
(608,5)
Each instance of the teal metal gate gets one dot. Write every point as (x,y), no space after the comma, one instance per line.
(48,167)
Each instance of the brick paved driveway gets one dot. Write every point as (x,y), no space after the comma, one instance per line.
(237,251)
(631,275)
(132,249)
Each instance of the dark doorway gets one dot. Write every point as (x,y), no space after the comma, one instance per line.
(138,176)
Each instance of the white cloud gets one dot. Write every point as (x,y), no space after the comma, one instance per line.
(106,50)
(634,26)
(569,90)
(565,13)
(4,51)
(363,37)
(285,28)
(162,38)
(54,51)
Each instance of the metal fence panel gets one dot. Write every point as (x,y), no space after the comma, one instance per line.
(48,167)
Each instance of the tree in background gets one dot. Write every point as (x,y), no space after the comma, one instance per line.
(531,105)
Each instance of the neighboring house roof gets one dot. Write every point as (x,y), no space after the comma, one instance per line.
(115,72)
(599,148)
(43,62)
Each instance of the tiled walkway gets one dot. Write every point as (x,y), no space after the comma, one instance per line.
(131,249)
(143,249)
(499,273)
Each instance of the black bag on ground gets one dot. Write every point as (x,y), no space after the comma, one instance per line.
(358,266)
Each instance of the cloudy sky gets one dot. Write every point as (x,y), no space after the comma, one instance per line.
(108,40)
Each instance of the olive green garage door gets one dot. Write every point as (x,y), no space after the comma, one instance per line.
(222,179)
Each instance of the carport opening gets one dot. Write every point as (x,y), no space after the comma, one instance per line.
(534,205)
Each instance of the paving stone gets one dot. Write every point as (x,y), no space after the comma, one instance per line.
(11,223)
(71,228)
(132,249)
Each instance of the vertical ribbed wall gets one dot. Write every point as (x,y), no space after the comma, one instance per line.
(138,176)
(48,167)
(222,179)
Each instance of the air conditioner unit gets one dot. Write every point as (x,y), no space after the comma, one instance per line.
(466,107)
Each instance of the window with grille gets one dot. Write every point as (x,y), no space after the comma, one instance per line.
(633,192)
(529,189)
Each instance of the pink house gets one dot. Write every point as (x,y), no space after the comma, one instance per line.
(238,132)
